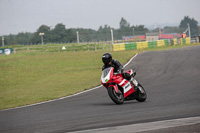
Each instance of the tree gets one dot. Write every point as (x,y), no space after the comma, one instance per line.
(193,25)
(10,39)
(140,30)
(42,29)
(104,33)
(125,29)
(59,33)
(23,38)
(123,23)
(71,35)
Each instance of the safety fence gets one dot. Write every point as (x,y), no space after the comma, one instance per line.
(185,40)
(117,46)
(149,44)
(63,48)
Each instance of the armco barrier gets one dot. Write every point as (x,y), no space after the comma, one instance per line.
(160,43)
(150,44)
(129,46)
(119,47)
(142,45)
(185,40)
(166,42)
(175,41)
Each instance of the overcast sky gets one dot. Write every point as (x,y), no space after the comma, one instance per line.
(28,15)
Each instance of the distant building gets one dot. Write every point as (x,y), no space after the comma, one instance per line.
(157,36)
(199,30)
(169,36)
(141,37)
(151,36)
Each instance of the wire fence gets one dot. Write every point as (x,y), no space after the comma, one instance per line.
(63,48)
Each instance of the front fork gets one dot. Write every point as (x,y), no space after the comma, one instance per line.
(136,84)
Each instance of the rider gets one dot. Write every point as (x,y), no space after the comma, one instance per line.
(184,35)
(109,62)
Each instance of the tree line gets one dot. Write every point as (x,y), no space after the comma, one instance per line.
(60,34)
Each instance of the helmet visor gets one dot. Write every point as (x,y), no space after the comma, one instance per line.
(106,60)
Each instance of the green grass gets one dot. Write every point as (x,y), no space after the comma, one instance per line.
(28,78)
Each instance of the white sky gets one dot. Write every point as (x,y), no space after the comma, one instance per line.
(27,15)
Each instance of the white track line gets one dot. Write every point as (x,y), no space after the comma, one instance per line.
(53,100)
(66,96)
(130,60)
(142,127)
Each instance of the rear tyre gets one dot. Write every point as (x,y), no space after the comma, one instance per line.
(142,96)
(117,98)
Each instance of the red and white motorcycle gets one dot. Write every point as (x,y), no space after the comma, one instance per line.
(120,89)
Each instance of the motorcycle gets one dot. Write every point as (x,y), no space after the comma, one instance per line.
(120,89)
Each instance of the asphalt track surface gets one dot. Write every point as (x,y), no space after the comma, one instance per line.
(171,79)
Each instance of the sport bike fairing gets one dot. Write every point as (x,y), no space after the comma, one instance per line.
(107,75)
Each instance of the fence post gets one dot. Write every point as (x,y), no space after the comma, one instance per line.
(107,48)
(28,49)
(111,47)
(43,48)
(58,49)
(95,48)
(14,50)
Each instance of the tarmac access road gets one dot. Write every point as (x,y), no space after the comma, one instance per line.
(171,79)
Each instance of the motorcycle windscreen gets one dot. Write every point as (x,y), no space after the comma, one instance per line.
(105,77)
(106,72)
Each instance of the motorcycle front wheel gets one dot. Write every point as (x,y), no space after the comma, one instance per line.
(141,96)
(117,98)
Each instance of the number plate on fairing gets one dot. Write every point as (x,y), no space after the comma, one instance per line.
(127,87)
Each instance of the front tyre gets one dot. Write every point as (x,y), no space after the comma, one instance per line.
(117,98)
(142,96)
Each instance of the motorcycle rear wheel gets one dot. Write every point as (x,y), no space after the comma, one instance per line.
(117,98)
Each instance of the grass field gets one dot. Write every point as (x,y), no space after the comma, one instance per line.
(28,78)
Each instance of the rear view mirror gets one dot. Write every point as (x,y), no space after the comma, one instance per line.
(134,73)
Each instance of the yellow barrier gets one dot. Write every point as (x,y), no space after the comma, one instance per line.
(142,45)
(119,47)
(160,43)
(187,40)
(181,41)
(175,41)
